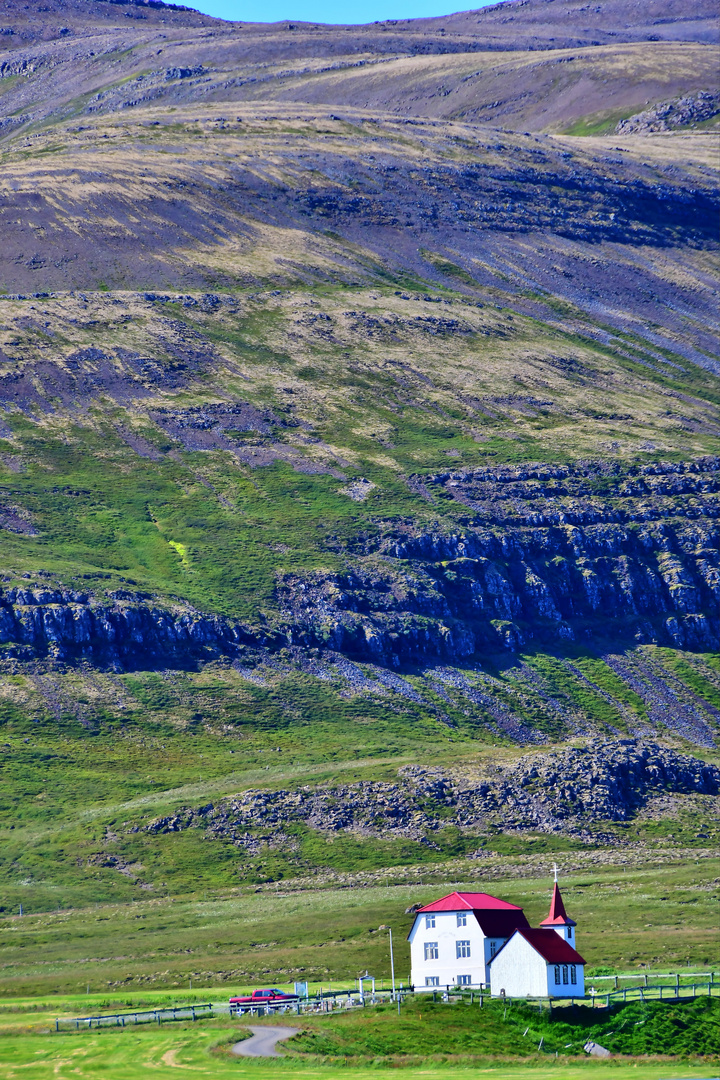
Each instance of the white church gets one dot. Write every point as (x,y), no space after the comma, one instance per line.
(474,939)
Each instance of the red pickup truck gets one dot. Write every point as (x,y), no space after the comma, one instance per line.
(263,997)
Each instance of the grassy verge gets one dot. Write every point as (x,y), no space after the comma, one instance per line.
(426,1028)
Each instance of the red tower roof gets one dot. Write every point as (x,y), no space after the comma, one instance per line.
(469,901)
(557,915)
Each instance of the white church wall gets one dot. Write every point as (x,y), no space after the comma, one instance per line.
(447,967)
(560,980)
(519,971)
(492,946)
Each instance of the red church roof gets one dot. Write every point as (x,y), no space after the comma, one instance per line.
(469,901)
(501,924)
(549,944)
(557,915)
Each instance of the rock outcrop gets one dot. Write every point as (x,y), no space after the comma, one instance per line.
(563,791)
(669,115)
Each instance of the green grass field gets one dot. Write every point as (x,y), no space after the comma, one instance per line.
(426,1028)
(427,1040)
(659,913)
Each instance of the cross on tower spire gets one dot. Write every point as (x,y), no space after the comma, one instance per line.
(557,916)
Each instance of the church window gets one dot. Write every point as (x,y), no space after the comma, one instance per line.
(464,980)
(432,980)
(557,974)
(462,949)
(565,974)
(493,948)
(462,918)
(429,922)
(569,933)
(573,975)
(431,950)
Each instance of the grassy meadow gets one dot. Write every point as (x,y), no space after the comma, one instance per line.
(131,1055)
(440,1040)
(657,912)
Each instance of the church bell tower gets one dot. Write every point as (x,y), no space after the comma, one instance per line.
(558,919)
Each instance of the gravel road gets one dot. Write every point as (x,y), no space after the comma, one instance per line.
(263,1041)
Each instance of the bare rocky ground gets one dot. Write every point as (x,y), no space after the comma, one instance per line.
(384,354)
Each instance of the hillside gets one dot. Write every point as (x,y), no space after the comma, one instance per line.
(359,441)
(537,65)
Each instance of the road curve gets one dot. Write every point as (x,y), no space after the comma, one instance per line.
(263,1041)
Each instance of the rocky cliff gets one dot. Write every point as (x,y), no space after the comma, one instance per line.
(549,554)
(67,625)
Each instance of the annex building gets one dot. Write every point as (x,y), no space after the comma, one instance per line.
(475,939)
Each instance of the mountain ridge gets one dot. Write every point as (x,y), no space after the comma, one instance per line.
(359,413)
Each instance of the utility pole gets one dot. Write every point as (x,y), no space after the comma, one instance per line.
(392,964)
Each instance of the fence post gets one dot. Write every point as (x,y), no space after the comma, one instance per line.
(57,1025)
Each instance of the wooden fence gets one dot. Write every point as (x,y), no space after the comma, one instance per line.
(663,992)
(321,1003)
(676,990)
(140,1016)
